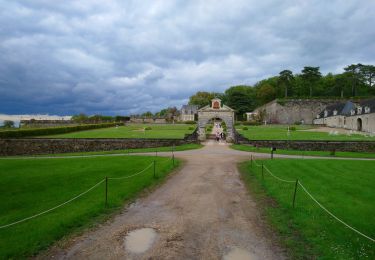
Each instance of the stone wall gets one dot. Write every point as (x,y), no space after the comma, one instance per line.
(293,110)
(344,146)
(29,146)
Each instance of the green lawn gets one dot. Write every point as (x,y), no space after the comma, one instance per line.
(344,187)
(280,132)
(32,186)
(249,148)
(168,131)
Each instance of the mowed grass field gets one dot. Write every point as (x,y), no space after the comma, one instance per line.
(344,187)
(280,132)
(249,148)
(169,131)
(30,186)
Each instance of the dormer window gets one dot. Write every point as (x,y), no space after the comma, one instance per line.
(335,112)
(359,110)
(367,110)
(325,113)
(352,112)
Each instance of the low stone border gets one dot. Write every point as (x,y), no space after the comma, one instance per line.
(307,145)
(10,147)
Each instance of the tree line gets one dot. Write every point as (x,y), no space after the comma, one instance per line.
(357,80)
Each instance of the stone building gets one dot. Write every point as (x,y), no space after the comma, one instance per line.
(188,112)
(216,111)
(290,111)
(359,116)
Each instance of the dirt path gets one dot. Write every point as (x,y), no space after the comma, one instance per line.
(202,212)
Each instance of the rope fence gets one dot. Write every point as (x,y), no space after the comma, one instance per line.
(298,183)
(90,189)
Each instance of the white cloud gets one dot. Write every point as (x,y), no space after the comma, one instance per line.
(129,56)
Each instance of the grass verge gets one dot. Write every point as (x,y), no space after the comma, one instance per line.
(32,186)
(155,131)
(301,132)
(344,187)
(249,148)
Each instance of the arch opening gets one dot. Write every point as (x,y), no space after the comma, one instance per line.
(359,124)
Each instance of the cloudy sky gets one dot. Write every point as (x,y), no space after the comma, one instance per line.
(123,57)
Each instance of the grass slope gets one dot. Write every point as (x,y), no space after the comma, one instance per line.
(176,131)
(32,186)
(344,187)
(249,148)
(280,132)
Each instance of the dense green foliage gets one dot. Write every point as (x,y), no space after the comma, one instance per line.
(345,187)
(357,80)
(40,184)
(52,130)
(168,131)
(301,132)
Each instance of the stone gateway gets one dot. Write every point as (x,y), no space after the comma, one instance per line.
(213,111)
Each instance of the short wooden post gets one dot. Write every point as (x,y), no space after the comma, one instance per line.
(173,159)
(262,172)
(295,192)
(156,153)
(106,191)
(154,169)
(251,160)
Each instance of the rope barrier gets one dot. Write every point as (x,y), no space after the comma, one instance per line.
(330,213)
(278,178)
(317,202)
(127,177)
(51,209)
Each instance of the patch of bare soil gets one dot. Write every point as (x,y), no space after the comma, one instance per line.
(202,212)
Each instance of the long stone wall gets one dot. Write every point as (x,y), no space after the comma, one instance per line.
(343,146)
(31,146)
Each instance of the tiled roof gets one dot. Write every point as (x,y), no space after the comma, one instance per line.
(189,109)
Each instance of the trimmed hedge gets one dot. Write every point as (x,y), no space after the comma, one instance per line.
(53,130)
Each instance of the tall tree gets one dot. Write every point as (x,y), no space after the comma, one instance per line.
(311,76)
(240,98)
(285,79)
(368,74)
(353,73)
(8,124)
(266,93)
(201,98)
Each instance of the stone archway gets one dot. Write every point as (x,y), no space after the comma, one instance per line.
(359,124)
(216,110)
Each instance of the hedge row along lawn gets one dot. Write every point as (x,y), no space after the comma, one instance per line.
(155,150)
(19,133)
(168,131)
(345,187)
(280,132)
(32,186)
(249,148)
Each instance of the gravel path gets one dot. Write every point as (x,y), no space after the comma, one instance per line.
(201,212)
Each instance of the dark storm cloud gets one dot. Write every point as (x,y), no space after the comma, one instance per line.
(120,57)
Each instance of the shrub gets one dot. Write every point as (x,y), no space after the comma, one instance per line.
(148,128)
(191,128)
(292,128)
(251,123)
(245,128)
(53,130)
(190,122)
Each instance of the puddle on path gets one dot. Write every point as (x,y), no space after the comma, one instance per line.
(140,240)
(239,254)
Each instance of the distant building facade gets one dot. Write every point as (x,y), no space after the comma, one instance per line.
(188,112)
(358,116)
